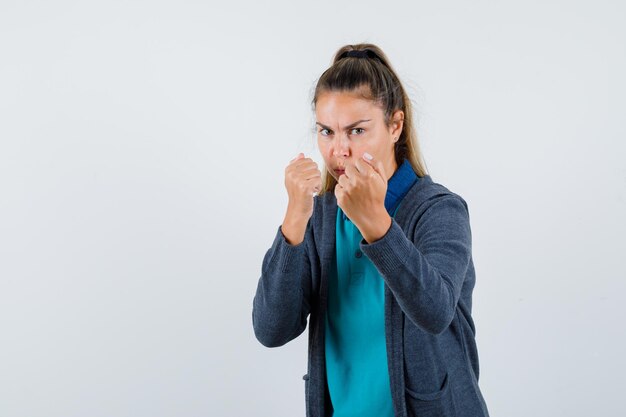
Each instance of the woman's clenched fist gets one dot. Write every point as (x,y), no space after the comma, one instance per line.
(303,180)
(360,194)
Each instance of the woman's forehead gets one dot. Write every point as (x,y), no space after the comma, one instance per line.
(345,108)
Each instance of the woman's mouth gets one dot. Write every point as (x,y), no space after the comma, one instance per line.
(339,171)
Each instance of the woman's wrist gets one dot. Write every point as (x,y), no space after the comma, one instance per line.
(376,226)
(294,227)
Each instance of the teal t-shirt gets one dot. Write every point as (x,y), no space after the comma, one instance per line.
(356,352)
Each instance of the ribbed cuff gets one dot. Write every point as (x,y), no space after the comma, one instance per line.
(285,253)
(390,251)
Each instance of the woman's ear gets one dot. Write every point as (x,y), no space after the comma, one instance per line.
(397,122)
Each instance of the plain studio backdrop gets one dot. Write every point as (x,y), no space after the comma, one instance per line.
(142,153)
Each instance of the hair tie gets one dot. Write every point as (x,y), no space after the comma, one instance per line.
(365,53)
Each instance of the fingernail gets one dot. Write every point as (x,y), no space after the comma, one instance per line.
(368,156)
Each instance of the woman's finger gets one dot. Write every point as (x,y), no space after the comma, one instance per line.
(376,164)
(364,168)
(350,171)
(311,174)
(343,181)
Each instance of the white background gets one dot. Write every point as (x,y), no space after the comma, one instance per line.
(142,151)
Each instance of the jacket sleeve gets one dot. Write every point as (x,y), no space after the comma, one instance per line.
(426,275)
(281,304)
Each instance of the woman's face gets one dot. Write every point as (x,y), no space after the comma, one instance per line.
(349,125)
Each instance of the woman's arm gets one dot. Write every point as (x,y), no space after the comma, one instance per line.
(426,276)
(281,304)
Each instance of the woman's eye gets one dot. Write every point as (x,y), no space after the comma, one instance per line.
(357,131)
(324,132)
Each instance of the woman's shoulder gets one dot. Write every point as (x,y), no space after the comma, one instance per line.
(426,189)
(426,194)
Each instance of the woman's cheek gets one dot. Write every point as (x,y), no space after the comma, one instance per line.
(357,150)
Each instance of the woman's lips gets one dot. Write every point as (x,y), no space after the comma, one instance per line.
(339,171)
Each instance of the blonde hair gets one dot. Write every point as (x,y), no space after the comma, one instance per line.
(370,71)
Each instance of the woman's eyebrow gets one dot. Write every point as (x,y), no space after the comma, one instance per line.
(350,126)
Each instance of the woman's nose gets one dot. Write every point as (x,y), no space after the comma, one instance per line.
(341,147)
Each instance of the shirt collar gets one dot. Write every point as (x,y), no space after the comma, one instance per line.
(399,184)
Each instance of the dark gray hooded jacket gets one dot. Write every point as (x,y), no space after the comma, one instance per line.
(426,262)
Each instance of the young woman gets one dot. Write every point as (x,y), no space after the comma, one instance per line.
(376,255)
